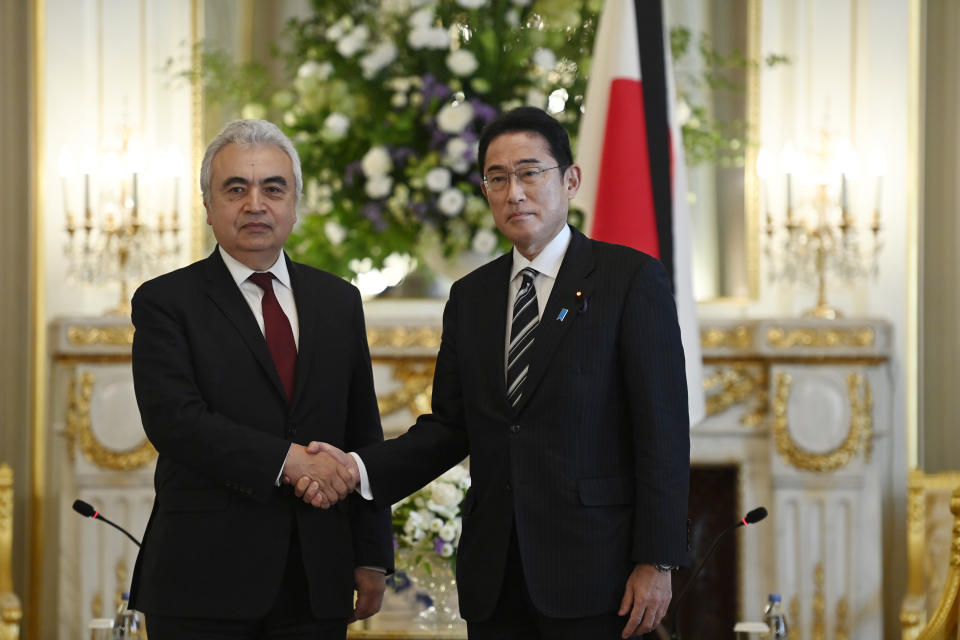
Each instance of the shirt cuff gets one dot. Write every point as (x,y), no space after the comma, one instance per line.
(379,569)
(276,482)
(365,491)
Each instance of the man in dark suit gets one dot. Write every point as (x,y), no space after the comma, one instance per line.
(561,374)
(238,359)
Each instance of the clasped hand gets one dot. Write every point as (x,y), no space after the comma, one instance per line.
(321,473)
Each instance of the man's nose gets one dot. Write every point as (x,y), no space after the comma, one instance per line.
(515,192)
(254,199)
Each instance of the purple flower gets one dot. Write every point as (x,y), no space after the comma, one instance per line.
(474,178)
(438,139)
(437,545)
(400,155)
(483,112)
(432,88)
(373,212)
(419,209)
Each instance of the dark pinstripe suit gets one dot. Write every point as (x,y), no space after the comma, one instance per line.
(593,463)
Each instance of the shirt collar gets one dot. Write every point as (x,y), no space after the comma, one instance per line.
(549,259)
(240,272)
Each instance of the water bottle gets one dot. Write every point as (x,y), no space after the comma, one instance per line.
(128,623)
(775,618)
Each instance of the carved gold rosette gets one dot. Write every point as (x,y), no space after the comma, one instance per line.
(860,435)
(80,434)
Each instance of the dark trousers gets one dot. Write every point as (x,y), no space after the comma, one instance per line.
(290,617)
(516,618)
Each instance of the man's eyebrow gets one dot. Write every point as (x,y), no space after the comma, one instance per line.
(498,167)
(275,180)
(229,182)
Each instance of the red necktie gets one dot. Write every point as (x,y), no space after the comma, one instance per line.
(279,335)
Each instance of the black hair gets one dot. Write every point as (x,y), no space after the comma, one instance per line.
(533,120)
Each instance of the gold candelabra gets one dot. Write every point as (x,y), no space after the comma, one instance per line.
(117,239)
(819,235)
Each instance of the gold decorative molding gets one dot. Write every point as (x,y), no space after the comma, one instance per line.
(10,610)
(859,436)
(794,620)
(117,336)
(416,389)
(943,622)
(819,628)
(842,628)
(121,572)
(735,338)
(737,384)
(80,434)
(96,605)
(781,338)
(404,337)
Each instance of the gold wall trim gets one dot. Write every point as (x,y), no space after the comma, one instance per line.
(781,338)
(738,384)
(416,390)
(859,436)
(735,338)
(842,626)
(404,337)
(120,336)
(80,434)
(796,630)
(11,612)
(818,629)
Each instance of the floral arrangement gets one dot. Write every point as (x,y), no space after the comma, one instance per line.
(427,523)
(385,103)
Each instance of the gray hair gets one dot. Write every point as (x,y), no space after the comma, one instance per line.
(257,132)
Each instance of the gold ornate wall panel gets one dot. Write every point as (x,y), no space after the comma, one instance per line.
(11,612)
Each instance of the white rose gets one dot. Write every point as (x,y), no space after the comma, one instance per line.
(439,38)
(484,241)
(435,525)
(545,58)
(455,474)
(445,494)
(382,55)
(471,4)
(309,69)
(453,118)
(438,179)
(398,100)
(512,17)
(462,62)
(521,3)
(447,550)
(349,45)
(336,124)
(362,266)
(378,187)
(335,232)
(451,201)
(418,38)
(376,162)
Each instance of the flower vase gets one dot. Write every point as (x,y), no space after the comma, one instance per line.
(439,584)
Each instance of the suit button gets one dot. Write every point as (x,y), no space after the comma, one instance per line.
(509,487)
(515,429)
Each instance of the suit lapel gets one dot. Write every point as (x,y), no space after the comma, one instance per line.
(491,334)
(573,277)
(225,294)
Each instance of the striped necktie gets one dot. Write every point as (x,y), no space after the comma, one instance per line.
(526,314)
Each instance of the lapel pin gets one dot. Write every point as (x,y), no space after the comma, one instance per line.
(562,314)
(582,300)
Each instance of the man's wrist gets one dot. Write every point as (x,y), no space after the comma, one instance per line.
(665,568)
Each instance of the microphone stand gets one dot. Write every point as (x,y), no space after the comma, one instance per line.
(686,588)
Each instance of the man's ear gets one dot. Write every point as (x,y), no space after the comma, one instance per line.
(206,206)
(571,180)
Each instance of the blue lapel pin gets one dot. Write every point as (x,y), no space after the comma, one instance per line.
(562,314)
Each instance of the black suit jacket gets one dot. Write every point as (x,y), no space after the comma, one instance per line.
(213,405)
(592,466)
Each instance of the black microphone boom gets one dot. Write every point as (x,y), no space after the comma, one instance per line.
(87,511)
(755,515)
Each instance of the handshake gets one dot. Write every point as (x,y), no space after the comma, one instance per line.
(321,474)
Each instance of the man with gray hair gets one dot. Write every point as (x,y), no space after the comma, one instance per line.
(239,360)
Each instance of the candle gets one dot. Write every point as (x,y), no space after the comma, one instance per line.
(87,212)
(843,194)
(134,196)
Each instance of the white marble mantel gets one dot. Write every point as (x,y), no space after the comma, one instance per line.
(801,407)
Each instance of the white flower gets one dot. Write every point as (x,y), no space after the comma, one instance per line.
(253,111)
(462,62)
(454,117)
(683,112)
(376,162)
(447,550)
(521,3)
(451,201)
(335,232)
(448,532)
(445,494)
(512,16)
(435,525)
(457,148)
(362,266)
(545,58)
(421,19)
(353,42)
(396,266)
(290,119)
(381,55)
(378,187)
(484,241)
(338,29)
(309,69)
(336,124)
(455,474)
(471,4)
(398,100)
(536,98)
(438,179)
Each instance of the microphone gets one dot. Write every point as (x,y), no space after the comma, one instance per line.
(753,516)
(87,511)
